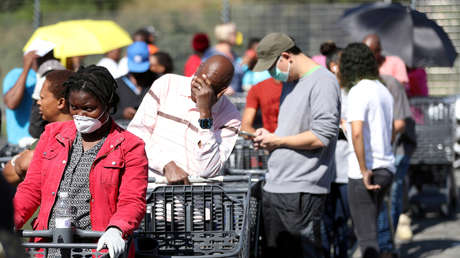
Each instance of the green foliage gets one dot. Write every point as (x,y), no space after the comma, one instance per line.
(11,5)
(319,1)
(49,5)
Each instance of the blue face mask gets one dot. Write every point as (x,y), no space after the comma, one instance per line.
(279,75)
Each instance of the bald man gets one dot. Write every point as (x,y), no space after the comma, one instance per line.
(188,126)
(388,65)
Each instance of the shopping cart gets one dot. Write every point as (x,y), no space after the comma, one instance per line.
(431,171)
(210,218)
(244,159)
(72,249)
(7,152)
(239,100)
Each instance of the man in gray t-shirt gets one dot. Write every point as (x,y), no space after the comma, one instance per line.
(302,149)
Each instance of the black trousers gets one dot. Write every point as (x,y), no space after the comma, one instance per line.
(292,224)
(364,209)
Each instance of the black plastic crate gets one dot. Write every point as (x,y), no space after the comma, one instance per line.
(435,129)
(245,159)
(198,220)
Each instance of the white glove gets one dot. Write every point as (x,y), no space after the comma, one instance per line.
(113,240)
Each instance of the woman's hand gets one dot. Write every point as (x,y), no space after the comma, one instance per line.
(114,242)
(16,174)
(128,113)
(23,162)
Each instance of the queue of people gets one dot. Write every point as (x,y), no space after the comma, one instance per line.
(330,129)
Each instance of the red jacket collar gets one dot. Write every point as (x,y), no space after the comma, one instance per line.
(68,132)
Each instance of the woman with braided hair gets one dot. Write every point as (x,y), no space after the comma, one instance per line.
(101,166)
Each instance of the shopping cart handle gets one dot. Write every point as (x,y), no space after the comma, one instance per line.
(35,233)
(60,245)
(248,171)
(49,233)
(88,233)
(197,179)
(5,159)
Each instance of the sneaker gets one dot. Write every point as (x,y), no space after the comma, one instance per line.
(404,219)
(403,231)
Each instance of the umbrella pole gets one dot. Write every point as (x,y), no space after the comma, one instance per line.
(37,14)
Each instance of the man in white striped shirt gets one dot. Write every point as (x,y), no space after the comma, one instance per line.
(188,126)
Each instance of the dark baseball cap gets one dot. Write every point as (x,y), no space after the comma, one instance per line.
(270,48)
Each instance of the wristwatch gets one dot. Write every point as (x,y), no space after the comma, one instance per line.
(205,123)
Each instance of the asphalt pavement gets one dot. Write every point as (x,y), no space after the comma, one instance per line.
(435,235)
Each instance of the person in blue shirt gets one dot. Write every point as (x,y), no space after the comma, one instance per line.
(18,86)
(134,85)
(249,60)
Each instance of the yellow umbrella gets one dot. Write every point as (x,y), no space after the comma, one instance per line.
(82,37)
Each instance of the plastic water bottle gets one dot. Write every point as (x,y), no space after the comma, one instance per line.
(63,232)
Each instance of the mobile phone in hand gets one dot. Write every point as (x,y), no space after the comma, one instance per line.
(246,134)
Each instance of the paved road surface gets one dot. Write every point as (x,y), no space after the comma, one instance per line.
(435,236)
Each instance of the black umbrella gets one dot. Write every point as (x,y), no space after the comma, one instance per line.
(404,32)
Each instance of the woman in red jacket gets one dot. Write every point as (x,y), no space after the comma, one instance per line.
(101,166)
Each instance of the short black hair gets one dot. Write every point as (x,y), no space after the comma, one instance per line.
(165,60)
(97,81)
(56,80)
(327,47)
(253,41)
(357,62)
(295,50)
(144,33)
(46,57)
(333,56)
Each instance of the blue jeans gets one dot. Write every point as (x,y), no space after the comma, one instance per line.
(334,231)
(396,199)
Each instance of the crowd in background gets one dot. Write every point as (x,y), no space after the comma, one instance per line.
(338,126)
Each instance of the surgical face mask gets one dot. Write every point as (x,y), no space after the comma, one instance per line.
(279,75)
(86,124)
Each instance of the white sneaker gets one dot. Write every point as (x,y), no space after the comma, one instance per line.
(404,219)
(403,231)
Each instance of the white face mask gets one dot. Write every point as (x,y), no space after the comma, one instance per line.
(86,124)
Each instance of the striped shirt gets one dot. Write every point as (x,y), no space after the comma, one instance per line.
(167,121)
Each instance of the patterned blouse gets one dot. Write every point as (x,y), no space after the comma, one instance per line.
(75,182)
